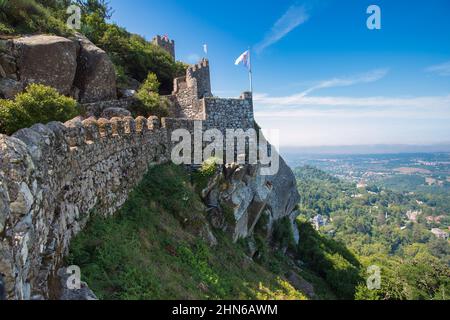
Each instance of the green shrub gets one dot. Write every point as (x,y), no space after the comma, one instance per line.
(202,176)
(149,102)
(38,104)
(34,16)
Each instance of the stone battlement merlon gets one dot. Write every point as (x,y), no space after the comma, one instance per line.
(204,63)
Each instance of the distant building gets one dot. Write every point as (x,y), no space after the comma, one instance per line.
(413,215)
(433,219)
(319,221)
(441,234)
(361,185)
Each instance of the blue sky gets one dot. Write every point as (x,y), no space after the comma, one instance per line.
(320,75)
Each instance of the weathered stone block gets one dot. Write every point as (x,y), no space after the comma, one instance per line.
(48,60)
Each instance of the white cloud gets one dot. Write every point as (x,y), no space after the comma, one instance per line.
(299,100)
(308,121)
(368,77)
(291,19)
(440,69)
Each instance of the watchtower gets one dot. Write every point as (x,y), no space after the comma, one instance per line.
(165,43)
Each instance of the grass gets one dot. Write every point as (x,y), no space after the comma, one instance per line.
(151,250)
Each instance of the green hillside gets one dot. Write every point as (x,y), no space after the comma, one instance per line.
(373,224)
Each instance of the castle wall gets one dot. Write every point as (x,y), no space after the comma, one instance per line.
(52,177)
(225,114)
(95,109)
(185,102)
(199,73)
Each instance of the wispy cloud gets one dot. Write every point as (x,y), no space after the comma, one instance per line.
(368,77)
(295,16)
(440,69)
(300,100)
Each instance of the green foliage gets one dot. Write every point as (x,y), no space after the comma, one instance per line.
(100,7)
(414,264)
(149,102)
(136,56)
(145,251)
(283,236)
(38,104)
(422,277)
(330,259)
(34,16)
(202,176)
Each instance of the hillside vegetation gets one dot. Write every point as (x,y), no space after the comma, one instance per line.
(133,56)
(373,224)
(153,249)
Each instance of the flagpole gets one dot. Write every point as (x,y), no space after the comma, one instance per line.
(250,73)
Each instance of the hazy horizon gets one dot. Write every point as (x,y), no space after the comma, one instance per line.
(366,149)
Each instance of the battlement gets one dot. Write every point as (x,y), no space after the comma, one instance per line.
(201,75)
(165,43)
(204,63)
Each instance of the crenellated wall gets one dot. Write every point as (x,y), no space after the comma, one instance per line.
(53,176)
(199,73)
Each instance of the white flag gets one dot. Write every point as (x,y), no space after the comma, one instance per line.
(205,48)
(244,59)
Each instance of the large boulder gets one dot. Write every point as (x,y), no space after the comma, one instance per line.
(48,60)
(284,197)
(95,77)
(238,196)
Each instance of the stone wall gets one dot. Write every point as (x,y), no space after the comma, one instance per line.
(200,74)
(225,114)
(192,99)
(95,109)
(52,177)
(185,102)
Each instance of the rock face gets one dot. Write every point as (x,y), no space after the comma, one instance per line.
(49,60)
(9,88)
(83,293)
(238,195)
(74,67)
(96,78)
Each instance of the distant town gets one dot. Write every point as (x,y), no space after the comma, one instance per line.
(423,178)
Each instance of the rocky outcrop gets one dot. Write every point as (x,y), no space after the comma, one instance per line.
(9,88)
(84,293)
(74,67)
(49,60)
(238,195)
(96,77)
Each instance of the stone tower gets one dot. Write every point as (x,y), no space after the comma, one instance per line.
(200,72)
(165,43)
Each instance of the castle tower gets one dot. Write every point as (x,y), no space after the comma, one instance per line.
(200,72)
(165,43)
